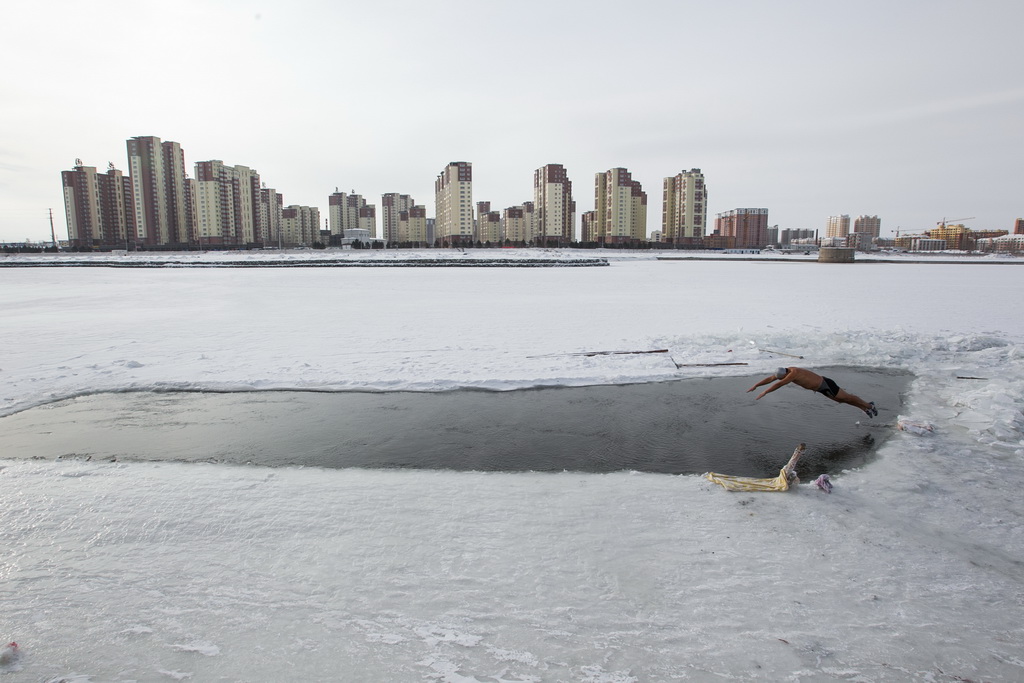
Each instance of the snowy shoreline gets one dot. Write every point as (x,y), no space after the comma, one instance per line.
(516,257)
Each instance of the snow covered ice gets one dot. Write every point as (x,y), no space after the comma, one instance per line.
(912,569)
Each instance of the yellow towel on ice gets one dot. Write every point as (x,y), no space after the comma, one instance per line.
(731,483)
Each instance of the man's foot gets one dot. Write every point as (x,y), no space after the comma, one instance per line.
(872,411)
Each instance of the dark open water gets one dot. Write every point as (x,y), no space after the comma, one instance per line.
(677,427)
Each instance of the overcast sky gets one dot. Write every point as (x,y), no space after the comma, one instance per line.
(913,111)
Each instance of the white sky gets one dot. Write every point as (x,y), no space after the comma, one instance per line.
(908,110)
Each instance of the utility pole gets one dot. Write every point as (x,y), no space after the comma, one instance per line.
(53,233)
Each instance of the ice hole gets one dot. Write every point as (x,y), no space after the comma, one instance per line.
(682,426)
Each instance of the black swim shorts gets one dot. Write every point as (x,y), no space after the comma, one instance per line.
(828,388)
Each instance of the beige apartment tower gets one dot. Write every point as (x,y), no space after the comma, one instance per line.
(300,225)
(554,205)
(227,203)
(519,225)
(684,207)
(488,224)
(871,225)
(162,196)
(453,197)
(268,218)
(98,207)
(412,226)
(588,232)
(393,204)
(620,207)
(837,226)
(349,211)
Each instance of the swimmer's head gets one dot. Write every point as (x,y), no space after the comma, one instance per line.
(781,372)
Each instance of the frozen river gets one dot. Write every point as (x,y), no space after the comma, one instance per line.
(910,570)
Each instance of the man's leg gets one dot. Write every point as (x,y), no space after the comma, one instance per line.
(850,399)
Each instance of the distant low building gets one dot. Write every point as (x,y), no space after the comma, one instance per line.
(927,244)
(804,243)
(796,236)
(1013,244)
(869,224)
(861,241)
(352,236)
(962,238)
(716,241)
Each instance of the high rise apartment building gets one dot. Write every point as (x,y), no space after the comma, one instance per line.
(162,195)
(412,226)
(368,219)
(300,225)
(871,225)
(98,207)
(837,226)
(513,224)
(684,207)
(393,204)
(222,205)
(620,207)
(744,228)
(349,211)
(268,218)
(488,224)
(519,224)
(554,205)
(588,232)
(453,198)
(227,204)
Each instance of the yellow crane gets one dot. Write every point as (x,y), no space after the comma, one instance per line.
(942,223)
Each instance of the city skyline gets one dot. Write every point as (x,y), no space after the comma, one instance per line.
(810,110)
(229,206)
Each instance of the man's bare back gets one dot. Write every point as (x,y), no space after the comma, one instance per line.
(814,382)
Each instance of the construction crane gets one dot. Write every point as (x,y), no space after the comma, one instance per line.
(942,223)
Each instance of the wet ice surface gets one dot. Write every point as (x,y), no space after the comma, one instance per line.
(676,427)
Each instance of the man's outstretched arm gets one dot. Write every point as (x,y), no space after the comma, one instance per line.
(766,380)
(781,382)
